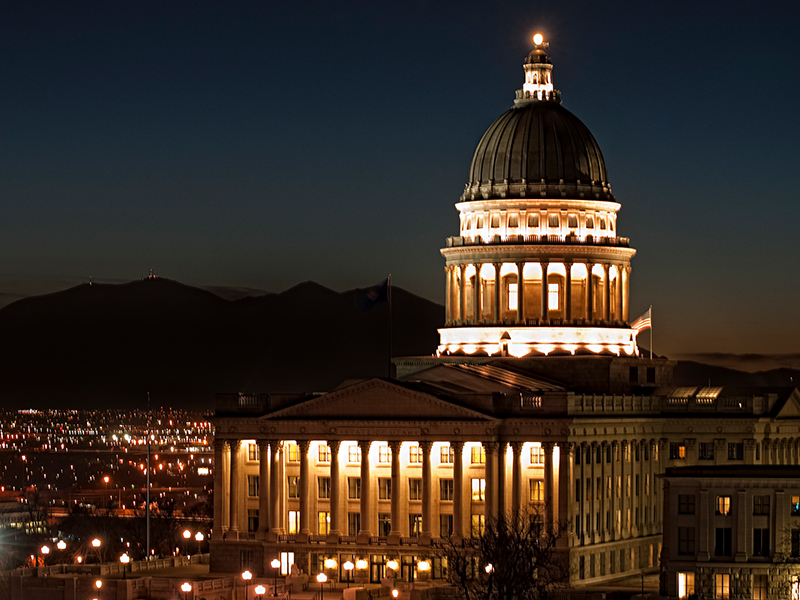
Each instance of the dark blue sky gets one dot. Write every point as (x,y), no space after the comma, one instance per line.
(254,145)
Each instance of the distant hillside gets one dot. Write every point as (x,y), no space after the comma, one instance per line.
(106,345)
(694,373)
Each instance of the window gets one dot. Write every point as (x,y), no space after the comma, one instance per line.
(354,488)
(414,524)
(723,505)
(685,585)
(479,223)
(760,587)
(252,452)
(795,506)
(533,220)
(589,223)
(685,504)
(633,374)
(677,450)
(795,543)
(294,522)
(572,221)
(647,484)
(354,454)
(582,567)
(513,221)
(384,488)
(292,452)
(651,374)
(384,454)
(414,488)
(252,485)
(553,220)
(722,586)
(447,454)
(323,522)
(578,490)
(602,223)
(736,451)
(478,455)
(478,489)
(495,221)
(706,451)
(552,296)
(324,453)
(636,487)
(287,560)
(246,559)
(627,486)
(537,454)
(384,524)
(294,486)
(537,490)
(324,488)
(478,524)
(512,296)
(252,520)
(414,454)
(445,526)
(353,523)
(619,486)
(760,505)
(446,490)
(761,542)
(723,541)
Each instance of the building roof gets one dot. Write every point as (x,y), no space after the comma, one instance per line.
(737,471)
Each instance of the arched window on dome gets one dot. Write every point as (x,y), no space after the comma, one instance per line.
(513,220)
(553,220)
(602,223)
(495,223)
(589,223)
(479,223)
(572,221)
(533,221)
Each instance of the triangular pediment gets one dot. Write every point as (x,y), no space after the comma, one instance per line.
(378,399)
(791,407)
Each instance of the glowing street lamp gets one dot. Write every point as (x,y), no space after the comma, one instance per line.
(260,590)
(321,578)
(187,535)
(98,584)
(247,576)
(348,567)
(488,568)
(199,537)
(186,587)
(275,564)
(125,559)
(395,593)
(105,480)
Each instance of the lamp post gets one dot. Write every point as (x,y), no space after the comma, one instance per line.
(322,578)
(45,550)
(424,566)
(361,564)
(395,593)
(96,543)
(125,559)
(187,535)
(186,587)
(105,499)
(199,537)
(348,567)
(275,564)
(247,576)
(260,590)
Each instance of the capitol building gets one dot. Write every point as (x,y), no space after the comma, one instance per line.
(537,399)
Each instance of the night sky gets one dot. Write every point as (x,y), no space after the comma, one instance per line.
(256,145)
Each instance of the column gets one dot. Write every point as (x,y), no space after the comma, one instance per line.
(233,532)
(614,501)
(544,290)
(366,516)
(602,493)
(582,487)
(448,289)
(263,489)
(618,308)
(497,292)
(589,292)
(458,489)
(626,293)
(490,497)
(549,485)
(425,534)
(276,458)
(302,446)
(520,292)
(516,477)
(395,534)
(606,292)
(220,485)
(336,523)
(568,291)
(593,503)
(565,499)
(476,294)
(226,477)
(462,297)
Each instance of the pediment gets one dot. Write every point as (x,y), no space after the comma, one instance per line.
(791,407)
(378,399)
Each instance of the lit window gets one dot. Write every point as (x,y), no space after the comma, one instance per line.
(760,587)
(533,220)
(537,490)
(513,221)
(323,522)
(293,452)
(469,224)
(354,488)
(384,488)
(384,454)
(512,296)
(294,522)
(495,221)
(252,452)
(722,586)
(553,221)
(294,486)
(478,489)
(572,221)
(414,524)
(537,454)
(414,454)
(324,487)
(354,453)
(414,488)
(685,585)
(478,455)
(677,450)
(795,587)
(589,223)
(723,505)
(287,561)
(478,523)
(447,454)
(324,452)
(479,224)
(552,296)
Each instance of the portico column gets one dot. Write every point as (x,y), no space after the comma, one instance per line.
(425,534)
(275,453)
(263,489)
(366,514)
(395,534)
(233,531)
(564,496)
(626,294)
(516,477)
(335,531)
(520,292)
(462,297)
(497,292)
(490,493)
(220,485)
(589,293)
(476,294)
(606,292)
(448,288)
(619,294)
(304,530)
(568,291)
(544,290)
(614,502)
(458,489)
(548,485)
(502,495)
(603,529)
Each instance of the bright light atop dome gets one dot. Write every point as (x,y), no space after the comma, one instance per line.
(538,39)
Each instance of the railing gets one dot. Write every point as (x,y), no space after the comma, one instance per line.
(529,401)
(569,239)
(316,539)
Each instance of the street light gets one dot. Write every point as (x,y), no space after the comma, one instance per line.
(322,578)
(98,584)
(488,568)
(424,566)
(275,564)
(247,576)
(186,587)
(187,535)
(45,550)
(395,593)
(105,480)
(61,545)
(348,567)
(260,591)
(199,537)
(125,559)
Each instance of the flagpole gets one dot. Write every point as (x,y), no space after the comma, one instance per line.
(389,299)
(651,332)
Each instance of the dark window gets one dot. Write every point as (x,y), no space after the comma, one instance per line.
(353,523)
(252,520)
(760,542)
(677,450)
(445,489)
(686,504)
(323,487)
(651,374)
(723,541)
(633,374)
(795,542)
(384,524)
(582,567)
(706,451)
(760,505)
(578,457)
(736,451)
(445,525)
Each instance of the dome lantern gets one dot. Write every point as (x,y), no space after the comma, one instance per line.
(538,68)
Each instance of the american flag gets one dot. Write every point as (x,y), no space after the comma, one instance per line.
(642,322)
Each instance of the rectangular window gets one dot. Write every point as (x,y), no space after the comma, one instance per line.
(537,490)
(478,489)
(723,505)
(445,526)
(552,296)
(619,486)
(512,296)
(513,220)
(293,484)
(384,454)
(294,522)
(633,374)
(636,487)
(685,585)
(354,454)
(354,488)
(252,452)
(651,374)
(736,451)
(795,587)
(760,587)
(795,506)
(478,455)
(384,488)
(677,450)
(761,542)
(414,488)
(706,451)
(292,452)
(760,505)
(384,524)
(723,541)
(446,490)
(495,221)
(414,524)
(722,586)
(324,453)
(252,520)
(533,220)
(447,454)
(414,454)
(324,488)
(685,504)
(795,538)
(287,561)
(589,223)
(578,490)
(478,524)
(353,523)
(252,485)
(323,522)
(572,221)
(647,484)
(537,454)
(553,220)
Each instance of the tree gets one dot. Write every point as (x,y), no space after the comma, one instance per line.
(515,558)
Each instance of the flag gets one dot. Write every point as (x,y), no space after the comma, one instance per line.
(642,322)
(366,298)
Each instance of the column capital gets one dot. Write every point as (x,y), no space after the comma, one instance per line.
(334,445)
(219,445)
(548,446)
(457,446)
(235,445)
(364,445)
(491,447)
(262,443)
(394,445)
(303,445)
(426,446)
(568,264)
(516,447)
(566,447)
